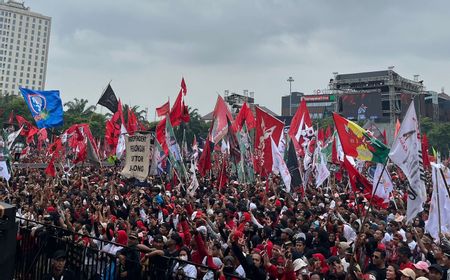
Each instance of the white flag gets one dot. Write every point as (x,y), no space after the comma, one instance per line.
(432,224)
(278,165)
(12,136)
(193,186)
(121,142)
(406,153)
(4,172)
(322,171)
(385,186)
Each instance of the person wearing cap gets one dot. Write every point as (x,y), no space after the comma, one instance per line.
(435,272)
(421,268)
(130,254)
(286,234)
(58,271)
(407,274)
(300,268)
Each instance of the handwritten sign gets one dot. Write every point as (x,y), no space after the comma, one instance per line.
(138,157)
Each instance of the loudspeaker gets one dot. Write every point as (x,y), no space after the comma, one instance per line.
(8,232)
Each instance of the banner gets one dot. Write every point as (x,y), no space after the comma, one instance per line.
(45,107)
(406,153)
(138,156)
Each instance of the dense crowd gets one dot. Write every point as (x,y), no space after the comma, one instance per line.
(254,231)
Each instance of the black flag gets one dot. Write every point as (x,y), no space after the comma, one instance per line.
(292,165)
(109,99)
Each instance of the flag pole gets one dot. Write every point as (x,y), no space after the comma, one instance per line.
(368,210)
(445,182)
(438,201)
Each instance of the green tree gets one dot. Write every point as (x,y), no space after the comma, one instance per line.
(78,107)
(196,126)
(78,112)
(426,125)
(438,137)
(16,104)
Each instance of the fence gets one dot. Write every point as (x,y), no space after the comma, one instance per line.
(36,243)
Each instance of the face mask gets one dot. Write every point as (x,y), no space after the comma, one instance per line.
(183,258)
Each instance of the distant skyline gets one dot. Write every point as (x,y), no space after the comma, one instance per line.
(146,46)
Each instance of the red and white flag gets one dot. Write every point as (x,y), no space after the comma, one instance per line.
(221,115)
(268,127)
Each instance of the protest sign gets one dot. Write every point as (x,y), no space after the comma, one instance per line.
(138,157)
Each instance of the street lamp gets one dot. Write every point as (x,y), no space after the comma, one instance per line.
(290,80)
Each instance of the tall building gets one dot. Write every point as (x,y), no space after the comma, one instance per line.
(290,103)
(24,43)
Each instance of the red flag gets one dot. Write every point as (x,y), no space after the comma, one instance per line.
(301,117)
(163,109)
(223,178)
(334,157)
(132,125)
(204,163)
(81,153)
(328,133)
(161,135)
(51,170)
(112,131)
(359,183)
(426,160)
(268,126)
(245,115)
(356,142)
(11,117)
(33,131)
(42,137)
(301,130)
(183,86)
(23,122)
(321,135)
(219,125)
(177,112)
(384,137)
(397,128)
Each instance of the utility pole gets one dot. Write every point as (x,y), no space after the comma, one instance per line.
(392,101)
(290,80)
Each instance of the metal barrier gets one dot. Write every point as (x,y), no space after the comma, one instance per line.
(36,243)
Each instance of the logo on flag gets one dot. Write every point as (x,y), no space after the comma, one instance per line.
(37,102)
(45,107)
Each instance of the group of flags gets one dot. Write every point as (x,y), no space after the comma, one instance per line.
(301,154)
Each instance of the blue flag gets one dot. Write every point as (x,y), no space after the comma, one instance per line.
(45,107)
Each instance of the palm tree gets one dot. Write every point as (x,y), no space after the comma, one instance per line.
(140,114)
(78,107)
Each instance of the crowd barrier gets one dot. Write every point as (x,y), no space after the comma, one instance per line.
(36,243)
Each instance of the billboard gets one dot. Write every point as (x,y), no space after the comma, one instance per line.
(361,106)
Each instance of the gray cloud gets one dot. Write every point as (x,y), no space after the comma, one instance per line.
(146,46)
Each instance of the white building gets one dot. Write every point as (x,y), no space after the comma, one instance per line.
(24,40)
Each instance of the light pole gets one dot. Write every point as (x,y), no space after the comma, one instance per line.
(290,80)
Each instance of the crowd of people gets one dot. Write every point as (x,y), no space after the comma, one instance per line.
(239,231)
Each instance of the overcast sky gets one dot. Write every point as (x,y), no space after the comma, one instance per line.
(146,46)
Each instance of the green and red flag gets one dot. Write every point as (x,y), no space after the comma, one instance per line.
(358,142)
